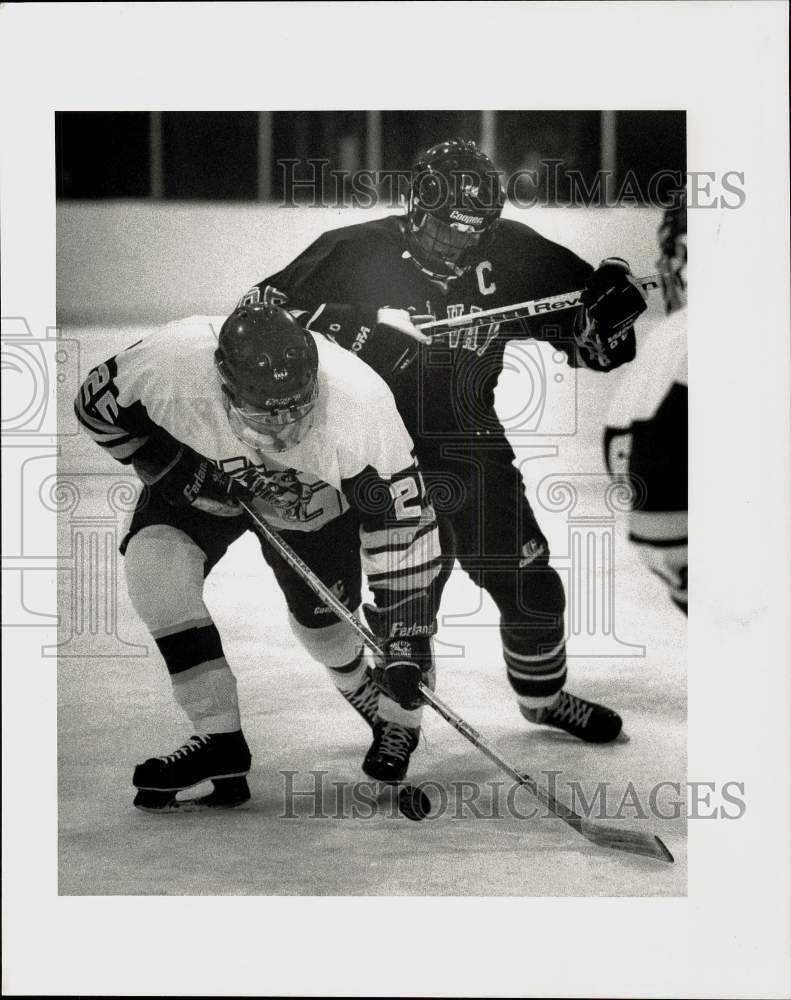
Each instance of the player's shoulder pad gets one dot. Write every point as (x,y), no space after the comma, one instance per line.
(360,234)
(359,416)
(175,361)
(352,382)
(360,409)
(517,241)
(177,339)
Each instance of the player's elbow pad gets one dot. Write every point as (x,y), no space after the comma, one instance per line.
(348,325)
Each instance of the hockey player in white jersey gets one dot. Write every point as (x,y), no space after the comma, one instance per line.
(646,435)
(254,405)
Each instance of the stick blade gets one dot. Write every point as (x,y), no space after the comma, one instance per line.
(646,844)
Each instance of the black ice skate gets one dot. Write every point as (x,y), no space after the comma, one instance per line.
(365,699)
(388,757)
(222,758)
(585,719)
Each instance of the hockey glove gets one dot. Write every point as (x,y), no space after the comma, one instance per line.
(404,631)
(603,327)
(195,481)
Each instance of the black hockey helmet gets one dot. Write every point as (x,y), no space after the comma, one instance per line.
(455,200)
(268,365)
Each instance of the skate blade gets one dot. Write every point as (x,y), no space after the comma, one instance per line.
(554,730)
(226,793)
(187,806)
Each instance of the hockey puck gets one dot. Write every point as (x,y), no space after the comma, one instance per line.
(413,803)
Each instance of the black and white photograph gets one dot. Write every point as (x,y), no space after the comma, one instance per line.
(355,460)
(421,407)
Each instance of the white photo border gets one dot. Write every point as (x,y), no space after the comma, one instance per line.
(726,64)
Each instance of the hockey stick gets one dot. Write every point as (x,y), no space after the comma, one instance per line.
(600,834)
(522,310)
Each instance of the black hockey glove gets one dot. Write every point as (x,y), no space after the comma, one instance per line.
(196,482)
(404,632)
(603,327)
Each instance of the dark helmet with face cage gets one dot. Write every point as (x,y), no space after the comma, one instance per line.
(455,200)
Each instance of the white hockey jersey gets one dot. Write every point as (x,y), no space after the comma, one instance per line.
(661,363)
(168,382)
(646,445)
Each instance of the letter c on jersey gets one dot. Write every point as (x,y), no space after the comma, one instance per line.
(481,270)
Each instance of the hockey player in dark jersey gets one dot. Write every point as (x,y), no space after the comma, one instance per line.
(451,254)
(274,413)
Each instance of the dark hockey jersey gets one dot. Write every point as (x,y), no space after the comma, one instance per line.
(449,388)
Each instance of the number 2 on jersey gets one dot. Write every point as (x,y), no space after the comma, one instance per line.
(402,492)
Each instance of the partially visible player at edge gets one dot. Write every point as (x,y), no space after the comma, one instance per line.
(270,411)
(645,441)
(452,253)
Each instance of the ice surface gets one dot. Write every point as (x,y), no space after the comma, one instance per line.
(114,711)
